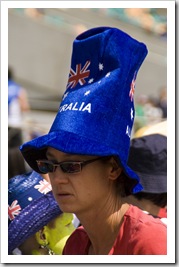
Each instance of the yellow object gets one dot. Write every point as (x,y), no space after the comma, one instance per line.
(158,128)
(56,233)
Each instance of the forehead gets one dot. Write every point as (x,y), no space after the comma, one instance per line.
(61,156)
(54,152)
(58,155)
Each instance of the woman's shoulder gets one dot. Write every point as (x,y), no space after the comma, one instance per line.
(145,234)
(140,217)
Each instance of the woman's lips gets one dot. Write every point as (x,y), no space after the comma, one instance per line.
(63,194)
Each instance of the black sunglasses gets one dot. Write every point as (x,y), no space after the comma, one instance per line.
(46,166)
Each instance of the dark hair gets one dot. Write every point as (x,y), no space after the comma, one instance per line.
(10,74)
(157,199)
(124,183)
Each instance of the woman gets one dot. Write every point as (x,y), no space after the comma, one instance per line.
(86,149)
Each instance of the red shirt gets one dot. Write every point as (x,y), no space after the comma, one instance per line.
(139,234)
(162,213)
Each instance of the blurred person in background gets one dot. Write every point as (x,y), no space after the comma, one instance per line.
(36,224)
(149,110)
(152,111)
(140,116)
(148,158)
(18,104)
(162,103)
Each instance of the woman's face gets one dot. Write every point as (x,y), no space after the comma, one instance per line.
(84,191)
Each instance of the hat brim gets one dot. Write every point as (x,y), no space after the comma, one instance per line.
(72,143)
(153,183)
(31,219)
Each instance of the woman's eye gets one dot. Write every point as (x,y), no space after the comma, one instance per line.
(74,167)
(71,167)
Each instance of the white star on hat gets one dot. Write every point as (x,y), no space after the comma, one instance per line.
(101,66)
(108,74)
(91,80)
(65,95)
(132,116)
(87,92)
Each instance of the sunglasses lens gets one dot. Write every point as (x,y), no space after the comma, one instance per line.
(71,167)
(45,167)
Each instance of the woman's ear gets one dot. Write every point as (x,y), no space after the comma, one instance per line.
(115,170)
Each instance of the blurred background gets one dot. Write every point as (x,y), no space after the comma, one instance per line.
(39,54)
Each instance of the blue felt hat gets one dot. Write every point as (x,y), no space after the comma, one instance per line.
(96,114)
(31,205)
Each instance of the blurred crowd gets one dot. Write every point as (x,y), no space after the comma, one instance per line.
(150,110)
(151,20)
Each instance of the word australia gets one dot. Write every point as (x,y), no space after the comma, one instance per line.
(76,107)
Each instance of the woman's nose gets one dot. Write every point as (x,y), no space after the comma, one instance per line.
(58,176)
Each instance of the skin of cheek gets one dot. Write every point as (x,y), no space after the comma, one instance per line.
(94,187)
(88,187)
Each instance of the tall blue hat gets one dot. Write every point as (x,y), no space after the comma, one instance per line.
(96,114)
(31,205)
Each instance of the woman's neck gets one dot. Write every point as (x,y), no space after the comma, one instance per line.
(103,228)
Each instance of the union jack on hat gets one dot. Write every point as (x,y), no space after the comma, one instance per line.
(23,189)
(96,114)
(31,206)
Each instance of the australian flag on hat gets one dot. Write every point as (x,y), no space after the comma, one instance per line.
(23,189)
(96,113)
